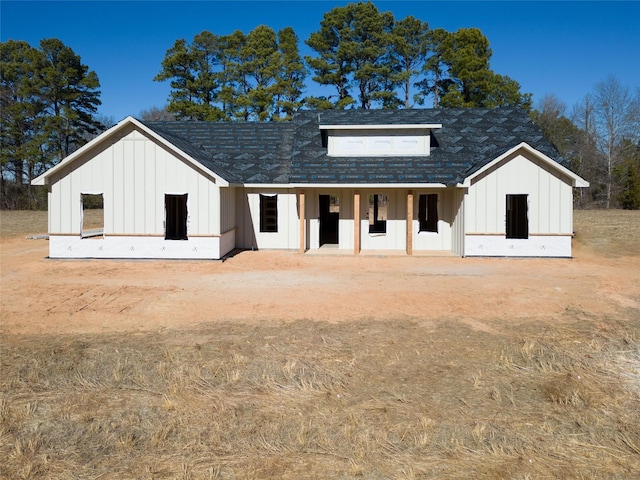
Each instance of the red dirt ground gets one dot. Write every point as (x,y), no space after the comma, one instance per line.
(40,295)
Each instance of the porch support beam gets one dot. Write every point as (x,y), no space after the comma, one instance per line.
(301,206)
(356,222)
(409,222)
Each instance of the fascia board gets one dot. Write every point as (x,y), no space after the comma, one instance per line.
(369,185)
(395,126)
(577,181)
(194,163)
(43,179)
(267,185)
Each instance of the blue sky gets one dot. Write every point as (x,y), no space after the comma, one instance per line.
(563,48)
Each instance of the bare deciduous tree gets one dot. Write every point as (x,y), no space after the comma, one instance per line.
(616,117)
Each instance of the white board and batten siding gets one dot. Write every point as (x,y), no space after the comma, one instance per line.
(448,205)
(133,172)
(249,235)
(549,209)
(362,142)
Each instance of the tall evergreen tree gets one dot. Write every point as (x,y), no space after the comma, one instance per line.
(49,102)
(70,95)
(409,47)
(627,175)
(466,54)
(351,44)
(291,74)
(20,138)
(435,80)
(258,76)
(193,71)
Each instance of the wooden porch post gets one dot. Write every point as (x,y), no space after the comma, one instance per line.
(301,206)
(410,222)
(356,222)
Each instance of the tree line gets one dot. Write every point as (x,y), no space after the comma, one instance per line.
(365,59)
(600,136)
(368,59)
(48,108)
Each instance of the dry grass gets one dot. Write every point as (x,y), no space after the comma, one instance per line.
(609,232)
(20,223)
(370,399)
(309,400)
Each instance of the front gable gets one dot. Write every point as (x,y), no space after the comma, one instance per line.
(526,151)
(122,130)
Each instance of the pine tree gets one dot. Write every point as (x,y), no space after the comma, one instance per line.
(70,95)
(49,102)
(351,44)
(409,47)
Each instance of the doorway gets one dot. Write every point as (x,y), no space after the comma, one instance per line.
(175,207)
(329,219)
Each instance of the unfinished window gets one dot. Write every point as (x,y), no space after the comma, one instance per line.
(175,208)
(378,205)
(92,221)
(517,217)
(268,213)
(428,212)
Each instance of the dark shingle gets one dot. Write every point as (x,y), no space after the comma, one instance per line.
(293,152)
(238,152)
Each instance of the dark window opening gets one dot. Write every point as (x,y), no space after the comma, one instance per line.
(517,217)
(175,207)
(92,224)
(268,213)
(428,212)
(378,206)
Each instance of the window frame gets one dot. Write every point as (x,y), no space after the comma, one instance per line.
(376,225)
(268,213)
(428,213)
(88,202)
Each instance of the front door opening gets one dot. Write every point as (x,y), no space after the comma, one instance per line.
(428,212)
(517,217)
(175,207)
(329,219)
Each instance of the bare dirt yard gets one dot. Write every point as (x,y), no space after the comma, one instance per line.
(282,365)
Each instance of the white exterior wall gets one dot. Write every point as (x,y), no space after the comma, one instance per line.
(133,173)
(449,207)
(345,221)
(550,210)
(442,240)
(248,219)
(395,237)
(227,209)
(358,143)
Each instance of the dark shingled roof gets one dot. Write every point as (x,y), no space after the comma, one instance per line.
(238,152)
(293,152)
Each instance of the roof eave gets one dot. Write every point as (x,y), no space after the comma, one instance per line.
(44,178)
(576,180)
(369,185)
(384,126)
